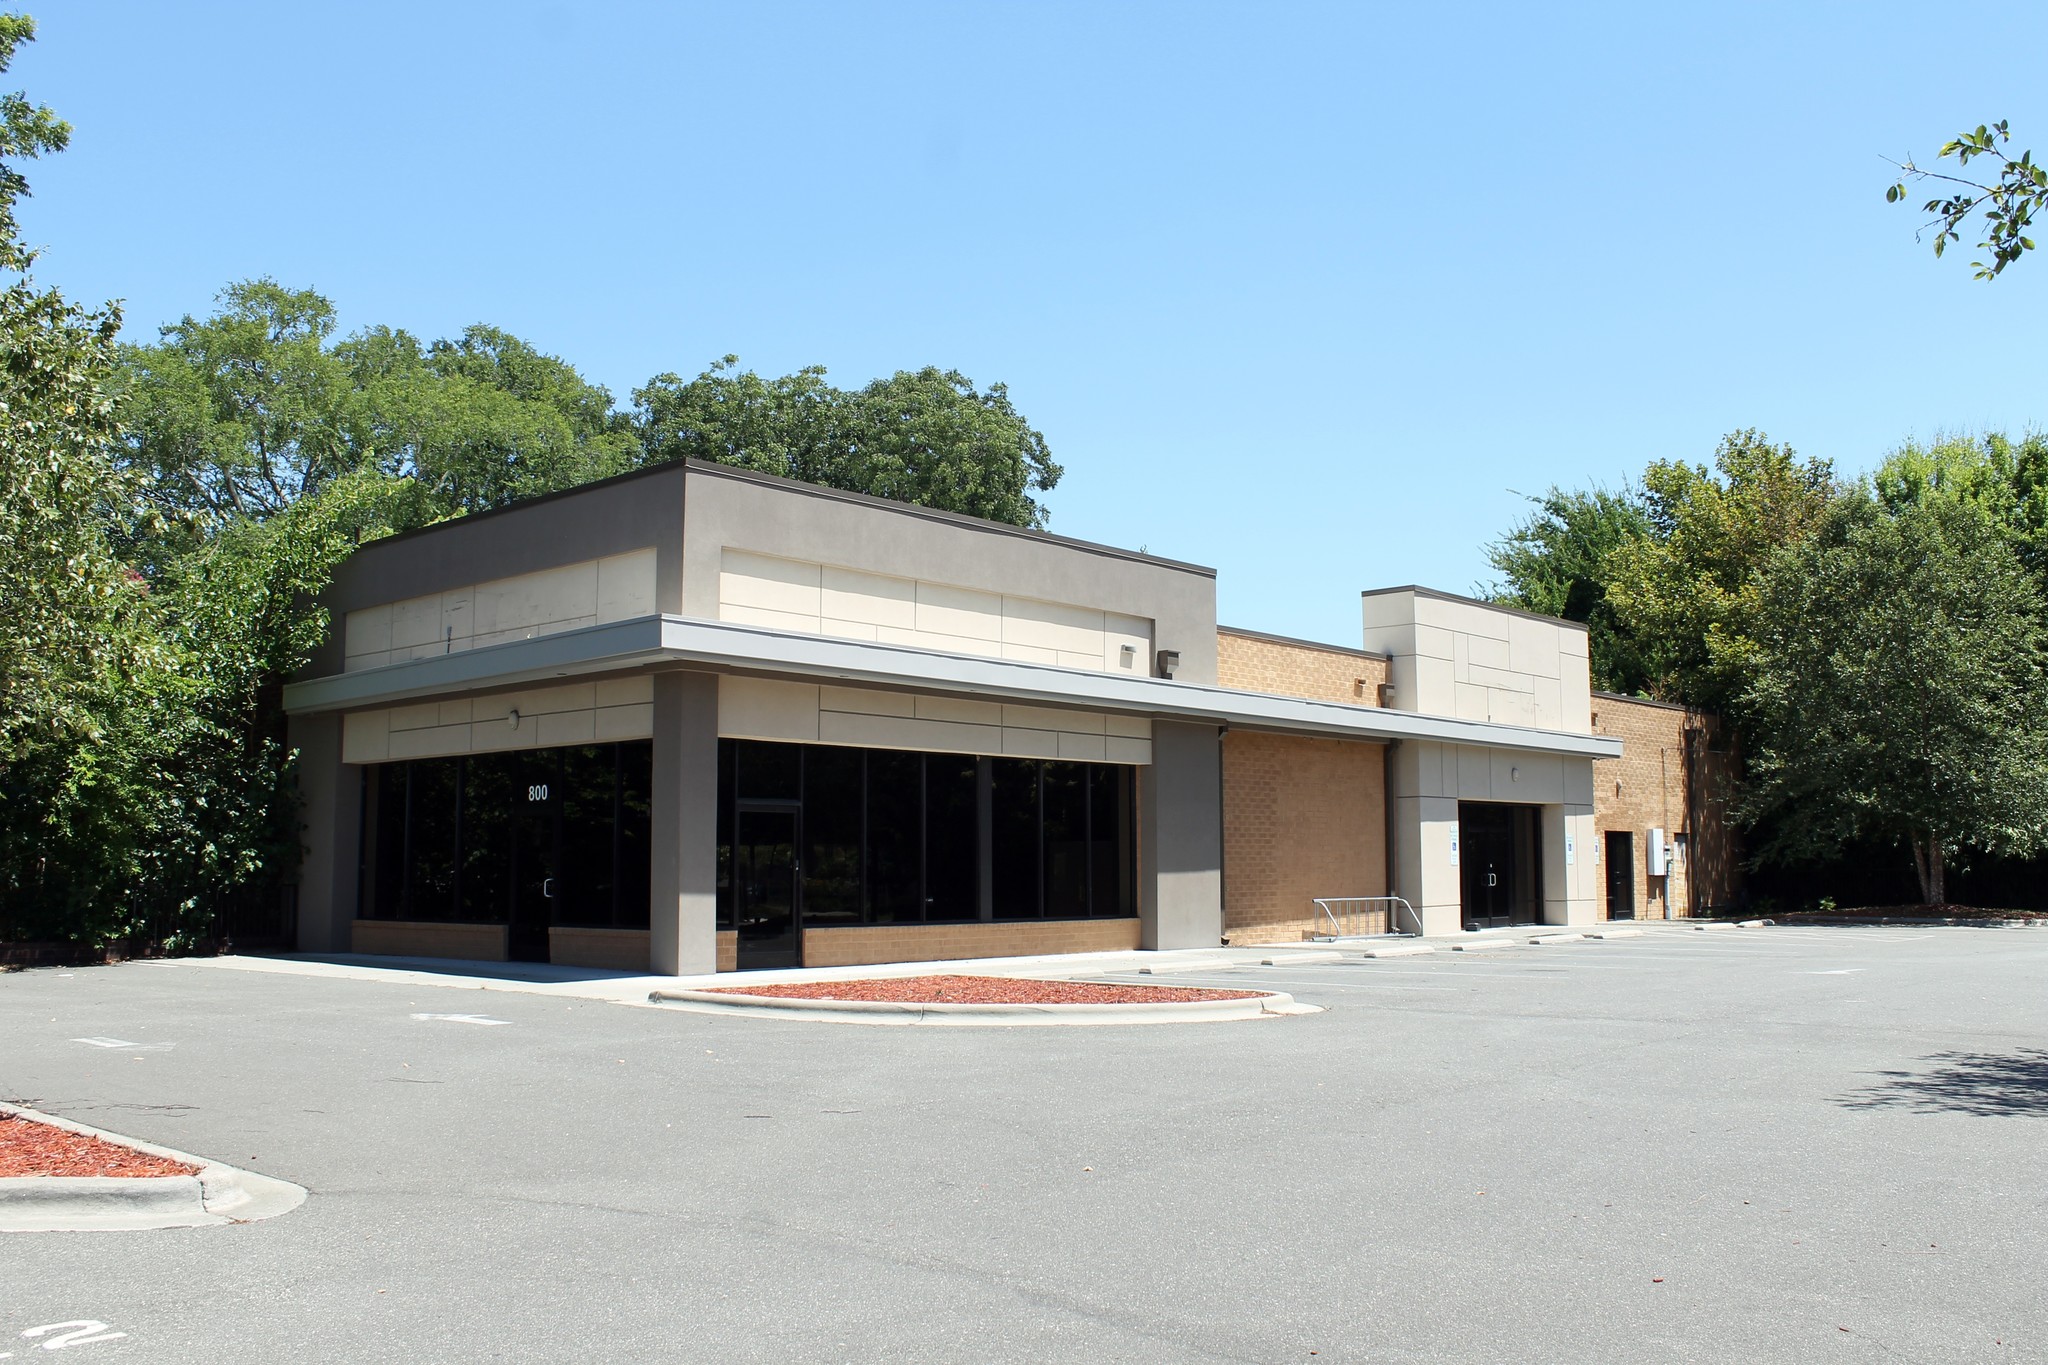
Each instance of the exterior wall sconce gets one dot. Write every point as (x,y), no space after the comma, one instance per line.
(512,718)
(1169,660)
(1128,655)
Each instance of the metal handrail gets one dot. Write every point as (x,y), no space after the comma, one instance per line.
(1326,905)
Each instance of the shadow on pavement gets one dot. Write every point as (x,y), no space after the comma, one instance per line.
(1963,1083)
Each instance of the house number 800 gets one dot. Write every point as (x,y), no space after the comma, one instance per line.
(537,793)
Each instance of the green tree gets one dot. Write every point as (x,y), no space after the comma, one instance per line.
(1688,592)
(2008,201)
(1555,563)
(926,436)
(1897,690)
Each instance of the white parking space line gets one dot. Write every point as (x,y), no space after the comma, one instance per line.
(120,1045)
(462,1019)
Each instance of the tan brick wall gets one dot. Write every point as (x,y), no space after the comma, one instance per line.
(728,950)
(419,938)
(621,949)
(1254,663)
(1655,785)
(1302,818)
(855,946)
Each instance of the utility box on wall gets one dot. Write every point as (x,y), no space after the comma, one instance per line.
(1659,866)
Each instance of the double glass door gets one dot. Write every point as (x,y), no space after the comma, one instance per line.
(1497,859)
(768,884)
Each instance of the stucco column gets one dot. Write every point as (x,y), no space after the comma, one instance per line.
(1570,876)
(682,916)
(1422,805)
(331,812)
(1180,896)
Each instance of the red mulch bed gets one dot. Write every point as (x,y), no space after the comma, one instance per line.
(31,1148)
(986,990)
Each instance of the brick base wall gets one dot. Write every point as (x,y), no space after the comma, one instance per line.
(1302,818)
(625,950)
(728,950)
(419,938)
(855,946)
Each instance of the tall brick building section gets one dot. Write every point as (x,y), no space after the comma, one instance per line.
(1307,818)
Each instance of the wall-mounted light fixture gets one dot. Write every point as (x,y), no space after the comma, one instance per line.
(1169,660)
(1128,655)
(512,718)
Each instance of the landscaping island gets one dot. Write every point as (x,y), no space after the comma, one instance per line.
(984,990)
(31,1148)
(985,1000)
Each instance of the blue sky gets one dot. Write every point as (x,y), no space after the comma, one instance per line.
(1305,292)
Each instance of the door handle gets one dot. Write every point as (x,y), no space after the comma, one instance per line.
(547,888)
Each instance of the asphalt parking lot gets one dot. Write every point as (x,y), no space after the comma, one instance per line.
(1771,1145)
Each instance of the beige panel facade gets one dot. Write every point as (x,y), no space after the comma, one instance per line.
(823,599)
(520,607)
(1451,656)
(866,718)
(600,712)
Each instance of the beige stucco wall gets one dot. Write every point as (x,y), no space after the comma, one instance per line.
(983,584)
(814,713)
(825,599)
(520,607)
(599,712)
(1455,657)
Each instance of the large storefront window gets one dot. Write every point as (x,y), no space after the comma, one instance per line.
(529,839)
(886,837)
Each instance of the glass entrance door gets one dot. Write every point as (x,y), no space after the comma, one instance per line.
(1500,862)
(765,886)
(536,856)
(1486,858)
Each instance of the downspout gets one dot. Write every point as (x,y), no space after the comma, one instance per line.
(1387,818)
(1222,838)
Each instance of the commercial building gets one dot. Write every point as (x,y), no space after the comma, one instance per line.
(697,718)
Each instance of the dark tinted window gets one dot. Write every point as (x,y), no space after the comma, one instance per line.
(1064,796)
(770,772)
(1013,837)
(952,887)
(1110,840)
(895,838)
(832,835)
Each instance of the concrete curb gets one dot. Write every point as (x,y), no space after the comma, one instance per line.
(1616,933)
(1261,1006)
(1298,956)
(1541,939)
(1485,945)
(218,1194)
(1400,950)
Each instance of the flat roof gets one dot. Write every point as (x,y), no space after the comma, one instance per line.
(1443,596)
(815,490)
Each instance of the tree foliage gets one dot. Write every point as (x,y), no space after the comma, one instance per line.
(1687,593)
(2008,201)
(1898,688)
(1555,563)
(926,436)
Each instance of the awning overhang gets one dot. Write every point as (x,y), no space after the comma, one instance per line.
(657,642)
